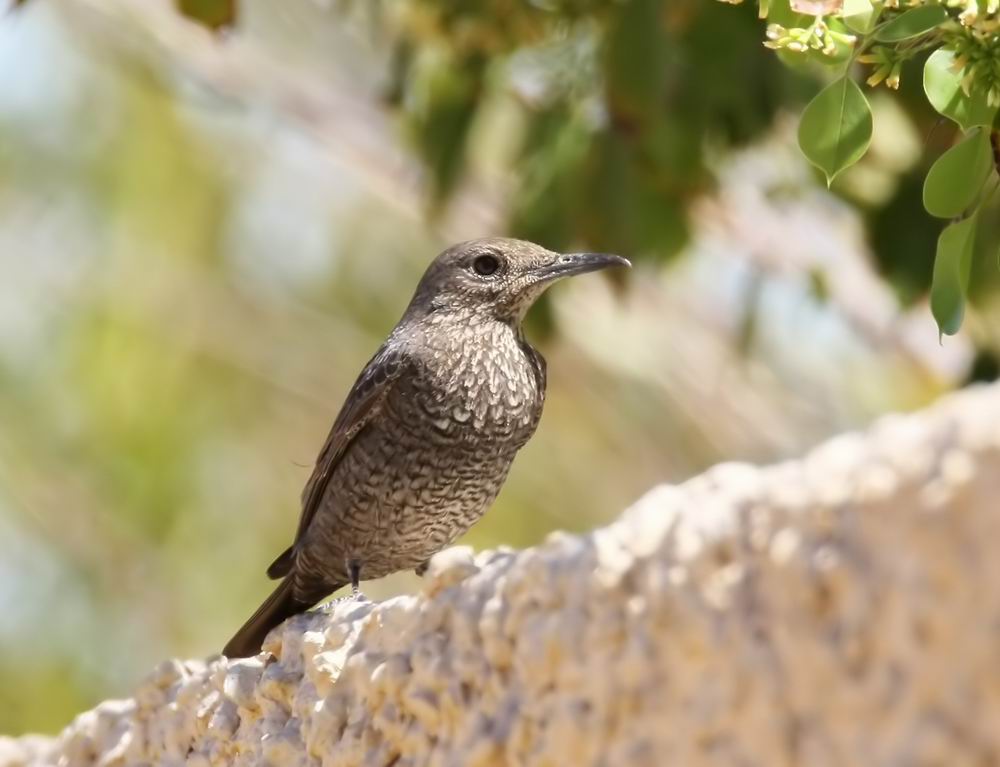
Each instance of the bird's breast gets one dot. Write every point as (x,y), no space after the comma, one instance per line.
(482,386)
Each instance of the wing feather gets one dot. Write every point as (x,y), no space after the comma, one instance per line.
(362,404)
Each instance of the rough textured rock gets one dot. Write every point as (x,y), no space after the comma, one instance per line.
(842,609)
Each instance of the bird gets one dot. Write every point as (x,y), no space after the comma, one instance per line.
(427,434)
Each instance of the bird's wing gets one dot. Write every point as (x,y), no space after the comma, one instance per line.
(362,404)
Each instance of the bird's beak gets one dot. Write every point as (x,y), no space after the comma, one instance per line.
(568,264)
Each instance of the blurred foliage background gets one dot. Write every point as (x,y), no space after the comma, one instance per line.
(206,234)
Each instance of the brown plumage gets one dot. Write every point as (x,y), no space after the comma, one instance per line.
(429,430)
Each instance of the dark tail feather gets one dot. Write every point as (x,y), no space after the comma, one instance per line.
(282,566)
(276,608)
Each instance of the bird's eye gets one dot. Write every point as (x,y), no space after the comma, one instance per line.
(486,265)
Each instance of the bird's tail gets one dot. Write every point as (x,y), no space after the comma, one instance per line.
(278,607)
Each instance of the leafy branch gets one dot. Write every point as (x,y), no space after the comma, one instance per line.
(961,81)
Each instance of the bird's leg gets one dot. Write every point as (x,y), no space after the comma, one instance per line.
(354,573)
(354,570)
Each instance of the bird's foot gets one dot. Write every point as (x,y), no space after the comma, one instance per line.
(331,605)
(354,596)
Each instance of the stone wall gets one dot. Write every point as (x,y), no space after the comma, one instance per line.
(841,609)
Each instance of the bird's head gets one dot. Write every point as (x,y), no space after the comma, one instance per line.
(498,278)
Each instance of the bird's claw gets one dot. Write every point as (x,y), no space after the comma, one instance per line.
(330,606)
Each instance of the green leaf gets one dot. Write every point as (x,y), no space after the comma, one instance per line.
(943,86)
(956,178)
(951,274)
(636,62)
(912,23)
(858,15)
(780,12)
(836,127)
(449,93)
